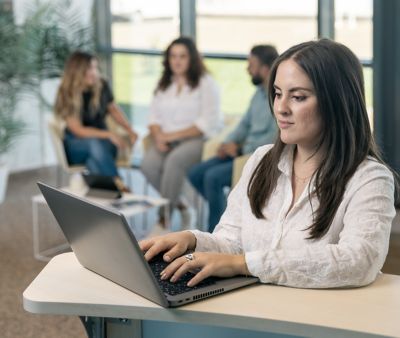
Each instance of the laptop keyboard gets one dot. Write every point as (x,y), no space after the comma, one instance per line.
(157,265)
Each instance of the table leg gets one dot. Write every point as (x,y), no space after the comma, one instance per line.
(35,229)
(98,327)
(167,215)
(94,326)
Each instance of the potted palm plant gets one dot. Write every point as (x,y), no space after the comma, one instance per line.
(50,33)
(10,126)
(31,54)
(10,129)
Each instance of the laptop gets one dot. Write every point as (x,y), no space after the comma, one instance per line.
(101,186)
(103,243)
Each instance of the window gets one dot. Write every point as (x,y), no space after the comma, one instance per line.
(227,26)
(353,26)
(135,77)
(144,24)
(224,27)
(234,82)
(368,73)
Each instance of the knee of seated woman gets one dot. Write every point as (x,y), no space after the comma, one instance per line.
(101,147)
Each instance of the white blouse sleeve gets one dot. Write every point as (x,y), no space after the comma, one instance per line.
(361,249)
(155,111)
(209,119)
(226,237)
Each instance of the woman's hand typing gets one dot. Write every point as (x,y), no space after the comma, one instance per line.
(207,264)
(174,245)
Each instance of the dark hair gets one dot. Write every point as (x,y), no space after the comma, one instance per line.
(265,53)
(196,66)
(338,80)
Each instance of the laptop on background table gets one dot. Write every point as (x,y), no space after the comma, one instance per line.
(101,186)
(103,243)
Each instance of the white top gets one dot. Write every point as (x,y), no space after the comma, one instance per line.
(65,287)
(276,249)
(200,106)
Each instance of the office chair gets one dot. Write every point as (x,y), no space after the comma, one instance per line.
(57,127)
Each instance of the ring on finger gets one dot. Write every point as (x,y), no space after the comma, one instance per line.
(189,257)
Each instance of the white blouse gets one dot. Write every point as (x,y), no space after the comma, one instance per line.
(199,106)
(276,249)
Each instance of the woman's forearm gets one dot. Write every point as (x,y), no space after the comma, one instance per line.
(119,117)
(184,133)
(86,132)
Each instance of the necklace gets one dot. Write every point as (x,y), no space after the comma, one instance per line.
(302,179)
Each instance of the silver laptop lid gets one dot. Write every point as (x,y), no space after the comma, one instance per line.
(103,243)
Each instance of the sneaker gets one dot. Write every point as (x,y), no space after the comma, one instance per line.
(121,186)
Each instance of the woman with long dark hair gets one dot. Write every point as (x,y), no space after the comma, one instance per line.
(315,209)
(83,101)
(185,111)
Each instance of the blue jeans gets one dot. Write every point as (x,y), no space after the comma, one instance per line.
(98,155)
(209,178)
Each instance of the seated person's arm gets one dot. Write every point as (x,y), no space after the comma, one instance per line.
(190,132)
(159,137)
(119,117)
(76,127)
(164,138)
(230,149)
(233,142)
(241,131)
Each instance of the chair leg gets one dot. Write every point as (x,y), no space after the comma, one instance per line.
(145,193)
(200,211)
(59,176)
(129,177)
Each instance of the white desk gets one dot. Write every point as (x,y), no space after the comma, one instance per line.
(65,287)
(127,211)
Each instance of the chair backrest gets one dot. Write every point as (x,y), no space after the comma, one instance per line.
(210,147)
(238,165)
(124,156)
(147,141)
(56,128)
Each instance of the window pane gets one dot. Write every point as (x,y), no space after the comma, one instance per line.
(235,26)
(368,73)
(136,76)
(234,82)
(353,26)
(134,80)
(144,24)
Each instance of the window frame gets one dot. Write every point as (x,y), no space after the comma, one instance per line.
(187,13)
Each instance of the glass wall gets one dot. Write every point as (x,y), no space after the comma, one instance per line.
(144,24)
(353,26)
(228,26)
(225,32)
(235,84)
(134,79)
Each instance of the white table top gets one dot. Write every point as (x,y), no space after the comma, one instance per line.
(65,287)
(128,211)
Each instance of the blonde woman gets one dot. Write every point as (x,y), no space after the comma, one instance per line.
(84,100)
